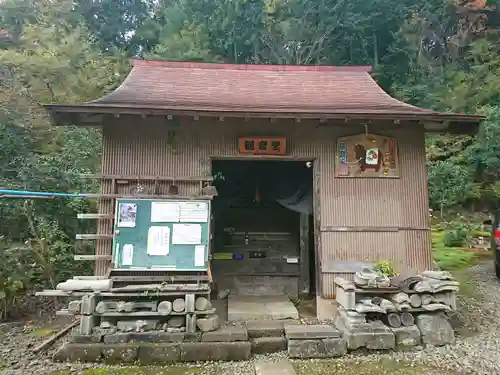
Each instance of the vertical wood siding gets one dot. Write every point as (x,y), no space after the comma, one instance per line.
(143,147)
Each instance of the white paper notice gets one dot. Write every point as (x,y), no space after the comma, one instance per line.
(164,212)
(127,255)
(158,241)
(193,212)
(186,234)
(199,256)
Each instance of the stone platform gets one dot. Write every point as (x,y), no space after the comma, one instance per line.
(238,341)
(243,308)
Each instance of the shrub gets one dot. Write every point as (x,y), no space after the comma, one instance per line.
(386,268)
(455,238)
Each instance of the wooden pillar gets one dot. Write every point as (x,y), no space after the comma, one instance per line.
(304,283)
(317,232)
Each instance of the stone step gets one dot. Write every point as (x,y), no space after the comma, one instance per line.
(274,368)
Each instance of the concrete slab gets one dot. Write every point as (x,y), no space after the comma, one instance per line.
(274,368)
(226,334)
(265,328)
(243,308)
(310,332)
(323,348)
(154,353)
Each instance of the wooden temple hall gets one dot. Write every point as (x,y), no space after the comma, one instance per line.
(267,181)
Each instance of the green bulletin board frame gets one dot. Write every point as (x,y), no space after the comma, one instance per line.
(132,228)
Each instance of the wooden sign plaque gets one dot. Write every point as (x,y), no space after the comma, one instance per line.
(262,145)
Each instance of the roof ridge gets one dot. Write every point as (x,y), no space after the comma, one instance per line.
(135,62)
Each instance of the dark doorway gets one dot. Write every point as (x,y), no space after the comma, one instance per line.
(263,232)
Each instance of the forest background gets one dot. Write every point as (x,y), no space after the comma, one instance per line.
(438,54)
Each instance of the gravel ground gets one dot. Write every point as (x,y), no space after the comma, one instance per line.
(476,351)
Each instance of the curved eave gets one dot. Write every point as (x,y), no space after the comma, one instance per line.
(92,115)
(265,91)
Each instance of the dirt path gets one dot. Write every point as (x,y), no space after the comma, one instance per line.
(477,350)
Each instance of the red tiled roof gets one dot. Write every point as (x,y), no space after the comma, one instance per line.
(274,89)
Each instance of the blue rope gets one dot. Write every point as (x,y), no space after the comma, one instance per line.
(13,193)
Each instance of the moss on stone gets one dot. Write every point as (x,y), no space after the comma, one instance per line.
(41,332)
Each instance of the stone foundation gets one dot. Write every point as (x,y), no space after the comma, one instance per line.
(154,353)
(239,341)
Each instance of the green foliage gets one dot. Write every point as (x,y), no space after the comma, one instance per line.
(50,58)
(452,259)
(114,22)
(448,184)
(455,238)
(449,258)
(386,268)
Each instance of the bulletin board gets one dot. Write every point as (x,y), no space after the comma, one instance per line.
(161,235)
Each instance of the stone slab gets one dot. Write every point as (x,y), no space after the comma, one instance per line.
(369,340)
(226,334)
(345,298)
(308,332)
(117,338)
(120,353)
(137,325)
(192,337)
(436,330)
(323,348)
(244,308)
(215,351)
(375,336)
(72,352)
(191,323)
(209,324)
(86,324)
(85,339)
(407,337)
(157,336)
(265,345)
(351,317)
(150,354)
(88,304)
(154,353)
(274,368)
(265,328)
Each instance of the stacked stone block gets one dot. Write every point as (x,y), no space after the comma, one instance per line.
(266,336)
(314,341)
(226,344)
(408,313)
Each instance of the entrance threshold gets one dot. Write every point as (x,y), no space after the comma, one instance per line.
(243,308)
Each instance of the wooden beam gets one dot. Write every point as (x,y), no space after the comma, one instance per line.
(92,257)
(277,274)
(144,177)
(94,236)
(94,216)
(62,293)
(165,278)
(148,196)
(152,314)
(48,342)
